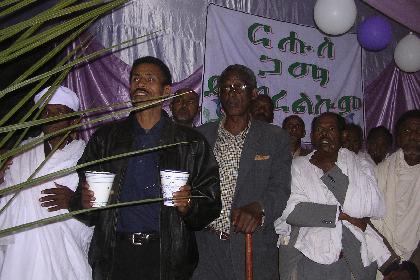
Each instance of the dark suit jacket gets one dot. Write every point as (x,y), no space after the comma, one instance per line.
(264,176)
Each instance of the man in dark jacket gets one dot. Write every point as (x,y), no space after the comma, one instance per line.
(254,166)
(149,241)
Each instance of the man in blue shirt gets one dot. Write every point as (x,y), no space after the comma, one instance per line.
(150,241)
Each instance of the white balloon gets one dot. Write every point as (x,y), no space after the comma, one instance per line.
(335,17)
(407,53)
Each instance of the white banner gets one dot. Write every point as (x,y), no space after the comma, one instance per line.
(304,71)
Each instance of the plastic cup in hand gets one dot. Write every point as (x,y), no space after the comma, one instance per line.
(171,181)
(100,183)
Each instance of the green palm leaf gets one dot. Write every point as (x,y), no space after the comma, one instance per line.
(26,45)
(55,12)
(69,170)
(39,64)
(54,149)
(14,127)
(104,109)
(40,140)
(15,8)
(66,216)
(80,60)
(35,27)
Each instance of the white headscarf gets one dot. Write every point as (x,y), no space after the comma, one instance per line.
(62,96)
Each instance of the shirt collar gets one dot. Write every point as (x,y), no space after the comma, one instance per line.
(226,133)
(157,128)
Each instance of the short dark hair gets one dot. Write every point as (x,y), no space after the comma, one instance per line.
(356,128)
(288,118)
(341,123)
(265,98)
(182,90)
(248,74)
(155,61)
(412,114)
(380,131)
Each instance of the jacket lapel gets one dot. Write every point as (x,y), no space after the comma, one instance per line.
(252,142)
(211,136)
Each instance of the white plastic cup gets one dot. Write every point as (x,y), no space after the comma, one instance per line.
(171,181)
(100,183)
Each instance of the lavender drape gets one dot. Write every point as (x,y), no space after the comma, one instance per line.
(406,12)
(105,81)
(99,83)
(181,46)
(390,95)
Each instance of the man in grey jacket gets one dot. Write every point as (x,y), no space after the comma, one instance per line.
(319,231)
(254,166)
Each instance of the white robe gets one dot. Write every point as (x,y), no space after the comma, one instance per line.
(54,251)
(400,185)
(363,199)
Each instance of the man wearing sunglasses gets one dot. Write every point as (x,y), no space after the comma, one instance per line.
(254,166)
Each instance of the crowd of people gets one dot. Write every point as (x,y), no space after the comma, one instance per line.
(338,211)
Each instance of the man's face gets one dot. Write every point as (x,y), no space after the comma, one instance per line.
(295,128)
(147,82)
(378,147)
(351,141)
(184,108)
(262,110)
(54,110)
(409,137)
(326,135)
(235,95)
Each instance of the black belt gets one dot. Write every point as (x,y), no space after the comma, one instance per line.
(138,238)
(220,234)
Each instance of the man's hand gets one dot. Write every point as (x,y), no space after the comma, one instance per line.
(87,196)
(324,161)
(360,223)
(247,218)
(56,198)
(4,168)
(183,205)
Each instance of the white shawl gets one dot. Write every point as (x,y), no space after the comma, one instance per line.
(363,199)
(55,251)
(401,225)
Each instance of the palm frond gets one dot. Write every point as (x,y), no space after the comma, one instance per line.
(75,62)
(54,149)
(15,8)
(39,64)
(17,126)
(53,13)
(29,44)
(6,3)
(37,141)
(104,109)
(66,216)
(69,170)
(35,27)
(48,95)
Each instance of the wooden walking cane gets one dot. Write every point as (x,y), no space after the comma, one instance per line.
(248,257)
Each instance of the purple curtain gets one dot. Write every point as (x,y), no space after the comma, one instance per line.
(406,12)
(101,82)
(390,95)
(105,81)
